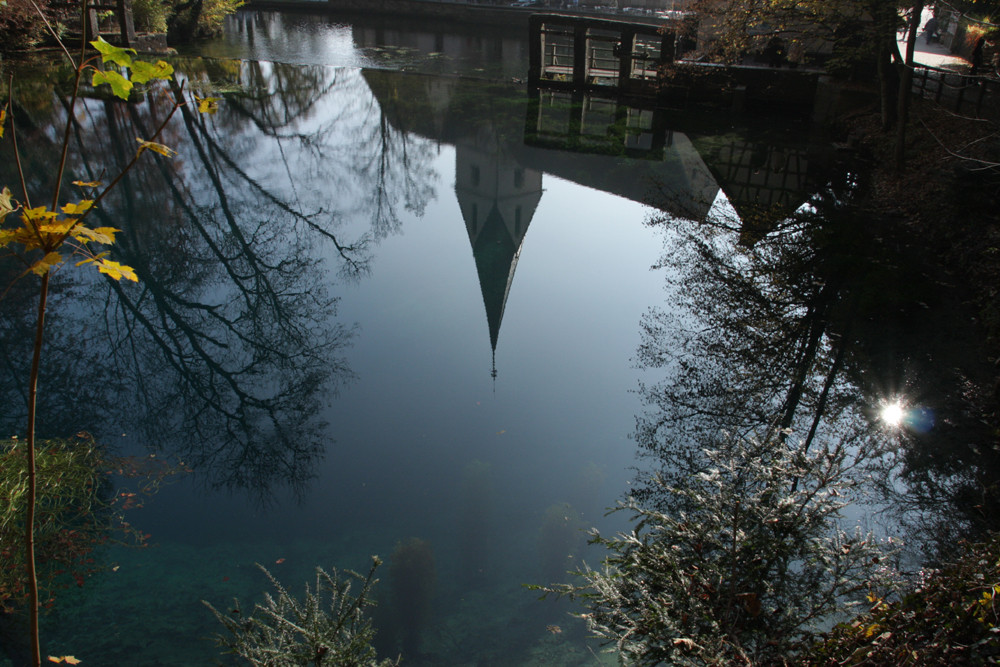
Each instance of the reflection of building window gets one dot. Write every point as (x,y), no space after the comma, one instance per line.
(519,178)
(517,221)
(474,217)
(475,174)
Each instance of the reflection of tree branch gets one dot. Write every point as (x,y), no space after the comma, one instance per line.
(346,251)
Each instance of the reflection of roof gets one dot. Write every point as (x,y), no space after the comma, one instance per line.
(496,257)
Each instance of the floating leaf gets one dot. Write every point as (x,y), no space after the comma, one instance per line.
(88,184)
(207,104)
(112,53)
(3,120)
(120,86)
(143,71)
(155,147)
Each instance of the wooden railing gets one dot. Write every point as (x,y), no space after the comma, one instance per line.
(966,94)
(123,18)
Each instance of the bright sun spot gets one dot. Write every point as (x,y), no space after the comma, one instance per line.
(893,413)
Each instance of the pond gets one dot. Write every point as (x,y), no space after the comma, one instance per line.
(379,301)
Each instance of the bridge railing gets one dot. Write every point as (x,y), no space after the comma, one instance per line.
(122,10)
(965,94)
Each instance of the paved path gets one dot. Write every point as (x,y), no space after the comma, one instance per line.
(934,55)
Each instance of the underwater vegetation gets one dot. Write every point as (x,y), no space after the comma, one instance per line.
(559,540)
(475,521)
(585,493)
(328,627)
(412,584)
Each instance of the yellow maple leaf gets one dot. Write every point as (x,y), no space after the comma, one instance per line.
(165,151)
(6,204)
(116,270)
(45,264)
(79,208)
(207,105)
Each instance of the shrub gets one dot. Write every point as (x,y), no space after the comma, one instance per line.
(951,617)
(283,631)
(737,563)
(150,15)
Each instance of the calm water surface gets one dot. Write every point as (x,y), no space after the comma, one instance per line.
(379,305)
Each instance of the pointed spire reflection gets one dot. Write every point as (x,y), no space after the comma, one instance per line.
(498,198)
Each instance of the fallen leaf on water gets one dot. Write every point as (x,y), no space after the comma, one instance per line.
(279,561)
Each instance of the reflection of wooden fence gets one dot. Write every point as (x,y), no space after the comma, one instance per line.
(965,94)
(577,52)
(122,10)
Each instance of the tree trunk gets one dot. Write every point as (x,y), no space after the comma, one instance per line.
(906,85)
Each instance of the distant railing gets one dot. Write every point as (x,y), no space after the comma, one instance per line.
(122,10)
(965,94)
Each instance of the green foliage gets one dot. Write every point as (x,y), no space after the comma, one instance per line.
(199,18)
(328,627)
(737,564)
(950,617)
(213,13)
(150,15)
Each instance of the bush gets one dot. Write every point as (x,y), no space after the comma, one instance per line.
(285,632)
(150,15)
(735,564)
(951,617)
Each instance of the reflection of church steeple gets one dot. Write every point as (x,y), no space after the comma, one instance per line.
(498,198)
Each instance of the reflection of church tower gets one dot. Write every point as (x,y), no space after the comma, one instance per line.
(498,198)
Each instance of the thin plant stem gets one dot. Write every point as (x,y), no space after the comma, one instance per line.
(29,538)
(13,138)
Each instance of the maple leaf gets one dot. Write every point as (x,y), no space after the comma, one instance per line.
(120,86)
(143,71)
(116,270)
(165,151)
(79,208)
(115,54)
(45,264)
(207,104)
(6,205)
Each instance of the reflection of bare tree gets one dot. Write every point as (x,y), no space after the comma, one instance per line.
(752,347)
(805,333)
(228,349)
(395,164)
